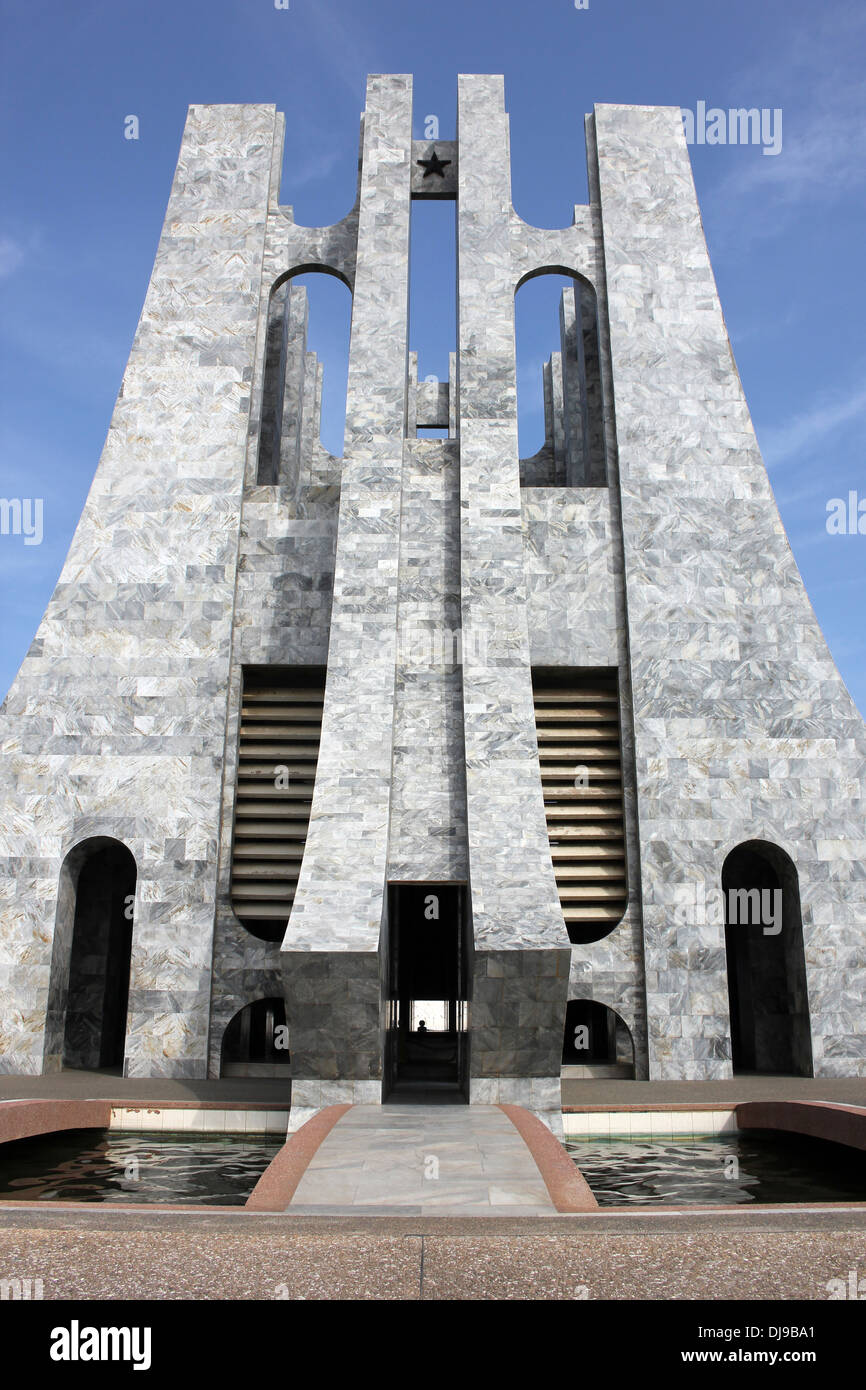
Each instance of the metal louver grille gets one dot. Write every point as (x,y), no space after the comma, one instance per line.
(281,726)
(577,721)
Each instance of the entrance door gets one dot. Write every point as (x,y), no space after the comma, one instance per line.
(427,1041)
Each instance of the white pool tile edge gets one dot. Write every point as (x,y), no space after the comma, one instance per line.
(650,1124)
(614,1124)
(156,1120)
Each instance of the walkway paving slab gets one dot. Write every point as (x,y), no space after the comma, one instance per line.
(426,1160)
(846,1090)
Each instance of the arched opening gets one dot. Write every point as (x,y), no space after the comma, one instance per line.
(597,1043)
(559,393)
(769,1006)
(94,1027)
(303,406)
(256,1041)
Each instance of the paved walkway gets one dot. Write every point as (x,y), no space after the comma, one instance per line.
(106,1085)
(421,1161)
(845,1090)
(125,1090)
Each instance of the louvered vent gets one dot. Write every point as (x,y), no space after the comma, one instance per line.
(577,719)
(281,725)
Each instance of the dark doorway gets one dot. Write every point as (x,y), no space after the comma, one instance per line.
(768,998)
(95,1027)
(427,1041)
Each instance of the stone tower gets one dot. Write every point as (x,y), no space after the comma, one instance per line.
(305,740)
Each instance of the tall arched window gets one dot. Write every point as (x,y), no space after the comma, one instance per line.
(560,406)
(769,1006)
(304,387)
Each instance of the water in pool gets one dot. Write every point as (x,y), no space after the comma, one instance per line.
(88,1165)
(730,1169)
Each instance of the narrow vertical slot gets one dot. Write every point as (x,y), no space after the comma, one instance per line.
(432,310)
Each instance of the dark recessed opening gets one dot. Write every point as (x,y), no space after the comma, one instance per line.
(427,1024)
(769,1008)
(95,1026)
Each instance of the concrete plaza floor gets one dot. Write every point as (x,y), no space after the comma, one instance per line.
(92,1254)
(845,1090)
(107,1085)
(101,1252)
(70,1084)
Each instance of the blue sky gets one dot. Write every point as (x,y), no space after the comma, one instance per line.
(83,207)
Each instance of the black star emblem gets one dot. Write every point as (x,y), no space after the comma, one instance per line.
(434,165)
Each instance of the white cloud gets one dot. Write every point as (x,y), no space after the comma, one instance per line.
(344,46)
(317,167)
(12,253)
(779,325)
(827,152)
(816,82)
(812,426)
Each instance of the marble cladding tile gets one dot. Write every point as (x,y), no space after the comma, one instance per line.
(570,576)
(428,820)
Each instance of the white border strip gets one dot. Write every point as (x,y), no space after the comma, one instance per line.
(649,1124)
(153,1120)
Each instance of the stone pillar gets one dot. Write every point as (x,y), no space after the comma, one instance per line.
(330,954)
(743,728)
(522,952)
